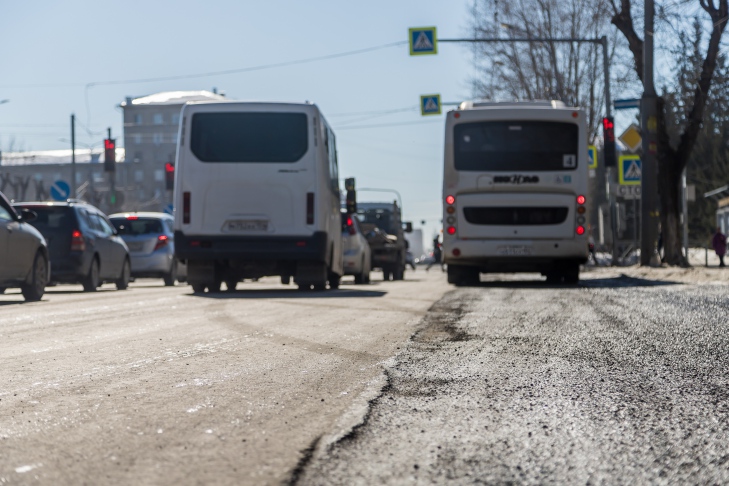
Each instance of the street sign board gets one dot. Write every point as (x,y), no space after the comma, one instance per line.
(169,209)
(629,170)
(60,190)
(629,192)
(631,138)
(625,104)
(592,157)
(430,104)
(423,40)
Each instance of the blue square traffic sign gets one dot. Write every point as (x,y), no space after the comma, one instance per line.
(423,40)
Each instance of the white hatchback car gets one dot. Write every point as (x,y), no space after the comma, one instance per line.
(357,253)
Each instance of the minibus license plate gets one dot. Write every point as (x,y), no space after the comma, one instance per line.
(246,225)
(513,250)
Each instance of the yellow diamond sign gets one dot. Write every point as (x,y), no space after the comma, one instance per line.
(631,138)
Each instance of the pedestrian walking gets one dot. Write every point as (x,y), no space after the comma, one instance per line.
(719,244)
(437,255)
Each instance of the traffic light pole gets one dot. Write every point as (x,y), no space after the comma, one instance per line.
(610,174)
(72,195)
(112,176)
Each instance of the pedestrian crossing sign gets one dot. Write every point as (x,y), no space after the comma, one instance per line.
(629,170)
(430,104)
(423,40)
(592,157)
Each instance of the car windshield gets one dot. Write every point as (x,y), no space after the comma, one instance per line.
(137,226)
(378,217)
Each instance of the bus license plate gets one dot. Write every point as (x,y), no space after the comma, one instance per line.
(246,225)
(513,250)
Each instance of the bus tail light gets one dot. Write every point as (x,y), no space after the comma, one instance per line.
(581,199)
(450,200)
(309,208)
(456,252)
(451,230)
(186,207)
(580,230)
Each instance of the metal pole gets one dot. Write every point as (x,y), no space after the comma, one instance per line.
(684,201)
(73,156)
(649,129)
(112,178)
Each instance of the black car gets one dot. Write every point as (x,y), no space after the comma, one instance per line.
(23,252)
(83,245)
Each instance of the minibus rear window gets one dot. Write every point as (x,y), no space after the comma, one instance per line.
(515,146)
(249,137)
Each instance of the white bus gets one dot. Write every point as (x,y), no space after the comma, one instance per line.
(257,194)
(514,190)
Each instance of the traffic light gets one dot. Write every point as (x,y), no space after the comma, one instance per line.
(608,136)
(109,155)
(351,195)
(169,176)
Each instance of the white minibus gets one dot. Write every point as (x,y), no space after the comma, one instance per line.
(515,185)
(257,194)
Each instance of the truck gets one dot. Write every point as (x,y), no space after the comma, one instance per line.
(385,232)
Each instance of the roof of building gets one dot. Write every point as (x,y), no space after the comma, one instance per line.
(40,157)
(174,98)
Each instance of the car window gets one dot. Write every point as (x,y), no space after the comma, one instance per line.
(52,218)
(105,225)
(5,214)
(138,226)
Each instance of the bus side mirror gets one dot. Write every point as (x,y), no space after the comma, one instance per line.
(408,227)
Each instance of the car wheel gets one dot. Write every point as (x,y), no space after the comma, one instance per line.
(359,278)
(34,290)
(198,288)
(91,282)
(171,277)
(334,281)
(230,285)
(215,286)
(123,282)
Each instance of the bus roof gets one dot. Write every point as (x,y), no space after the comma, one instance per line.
(471,105)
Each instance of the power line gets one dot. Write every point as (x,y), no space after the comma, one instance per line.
(387,125)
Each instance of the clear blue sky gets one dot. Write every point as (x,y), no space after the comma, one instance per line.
(53,50)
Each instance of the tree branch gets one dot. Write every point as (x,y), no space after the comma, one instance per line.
(623,20)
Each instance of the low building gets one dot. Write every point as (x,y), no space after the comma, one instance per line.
(151,125)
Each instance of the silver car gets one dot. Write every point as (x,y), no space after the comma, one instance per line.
(356,251)
(151,243)
(24,259)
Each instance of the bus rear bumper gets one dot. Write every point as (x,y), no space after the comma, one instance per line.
(515,255)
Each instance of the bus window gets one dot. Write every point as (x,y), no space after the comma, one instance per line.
(515,146)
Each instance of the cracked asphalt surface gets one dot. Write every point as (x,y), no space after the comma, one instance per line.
(621,380)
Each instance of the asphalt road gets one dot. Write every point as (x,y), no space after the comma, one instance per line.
(154,385)
(618,381)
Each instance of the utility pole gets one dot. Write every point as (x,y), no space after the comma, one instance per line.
(112,177)
(649,131)
(73,156)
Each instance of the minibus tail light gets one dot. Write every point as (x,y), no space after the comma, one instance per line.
(309,208)
(580,230)
(186,207)
(581,199)
(450,200)
(451,230)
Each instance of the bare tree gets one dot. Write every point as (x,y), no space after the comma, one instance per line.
(570,72)
(673,157)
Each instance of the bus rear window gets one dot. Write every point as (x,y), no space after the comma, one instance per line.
(514,146)
(249,137)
